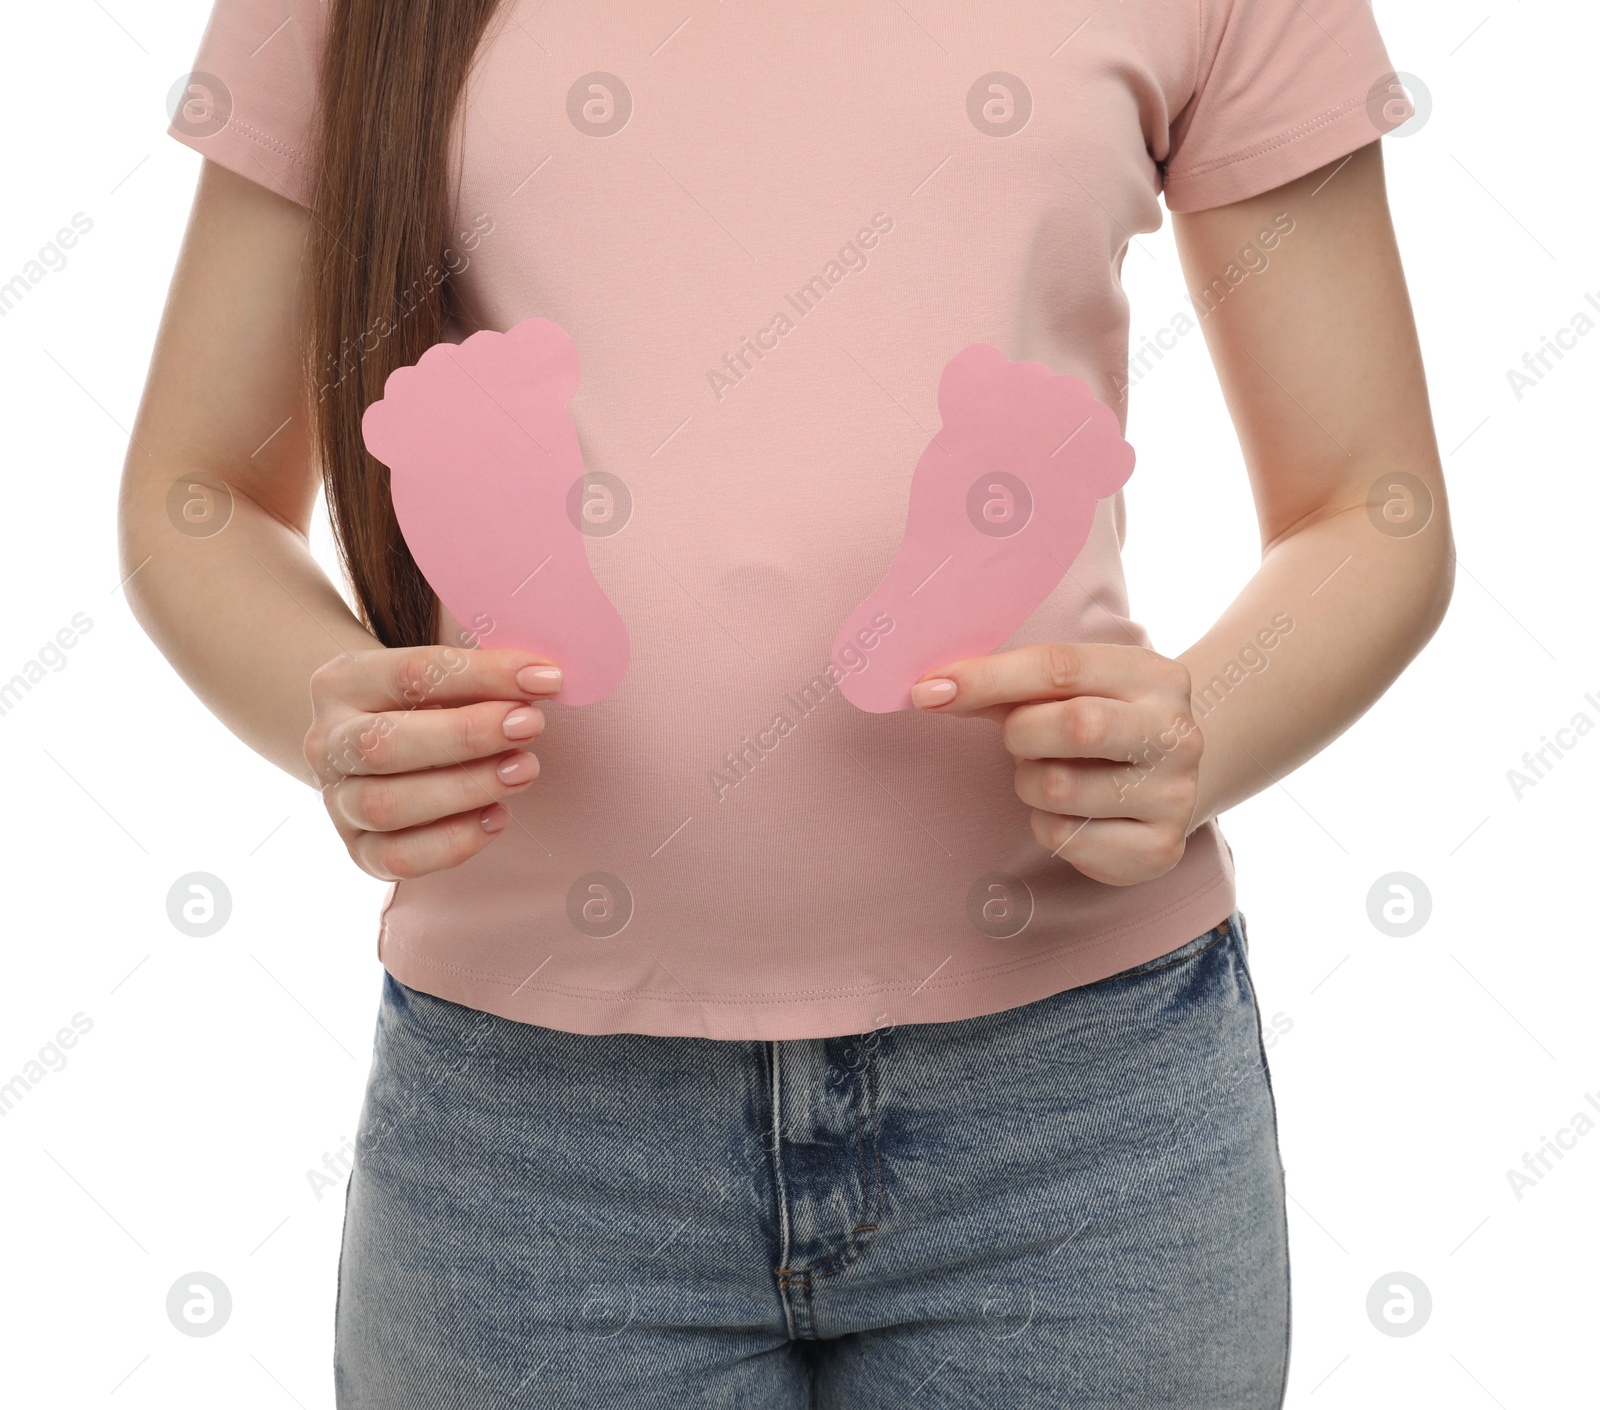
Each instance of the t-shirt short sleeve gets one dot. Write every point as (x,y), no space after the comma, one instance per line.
(1281,88)
(250,100)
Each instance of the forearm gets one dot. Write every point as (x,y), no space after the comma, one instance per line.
(1330,619)
(225,584)
(244,615)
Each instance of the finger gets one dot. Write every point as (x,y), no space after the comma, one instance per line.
(1114,851)
(435,846)
(1049,671)
(1089,727)
(1095,789)
(401,741)
(416,677)
(391,803)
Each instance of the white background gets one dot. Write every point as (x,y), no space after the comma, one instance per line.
(1411,1074)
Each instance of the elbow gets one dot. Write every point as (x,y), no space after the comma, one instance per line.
(1447,579)
(143,531)
(134,548)
(1438,583)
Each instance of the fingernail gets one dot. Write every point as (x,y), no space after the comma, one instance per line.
(522,723)
(519,768)
(934,692)
(539,680)
(493,818)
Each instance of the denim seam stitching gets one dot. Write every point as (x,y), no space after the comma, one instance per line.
(1272,1099)
(856,1245)
(782,1272)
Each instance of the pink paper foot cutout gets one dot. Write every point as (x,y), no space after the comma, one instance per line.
(483,459)
(1001,503)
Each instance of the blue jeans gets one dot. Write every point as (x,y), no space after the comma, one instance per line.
(1078,1202)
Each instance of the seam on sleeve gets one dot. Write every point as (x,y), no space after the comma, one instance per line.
(264,139)
(1257,149)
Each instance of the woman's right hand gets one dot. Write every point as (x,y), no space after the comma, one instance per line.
(414,747)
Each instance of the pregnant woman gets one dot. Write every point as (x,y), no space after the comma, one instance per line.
(758,1030)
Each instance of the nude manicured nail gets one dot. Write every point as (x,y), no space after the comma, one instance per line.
(522,723)
(539,680)
(935,692)
(493,818)
(519,768)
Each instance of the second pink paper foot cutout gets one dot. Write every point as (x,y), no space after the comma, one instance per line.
(483,456)
(1001,503)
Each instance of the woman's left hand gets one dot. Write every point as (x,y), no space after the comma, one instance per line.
(1107,749)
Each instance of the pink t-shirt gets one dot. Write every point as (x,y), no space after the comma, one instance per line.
(767,228)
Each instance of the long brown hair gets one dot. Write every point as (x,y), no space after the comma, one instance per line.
(392,77)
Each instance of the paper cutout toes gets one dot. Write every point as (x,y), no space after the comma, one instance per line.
(1000,504)
(483,461)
